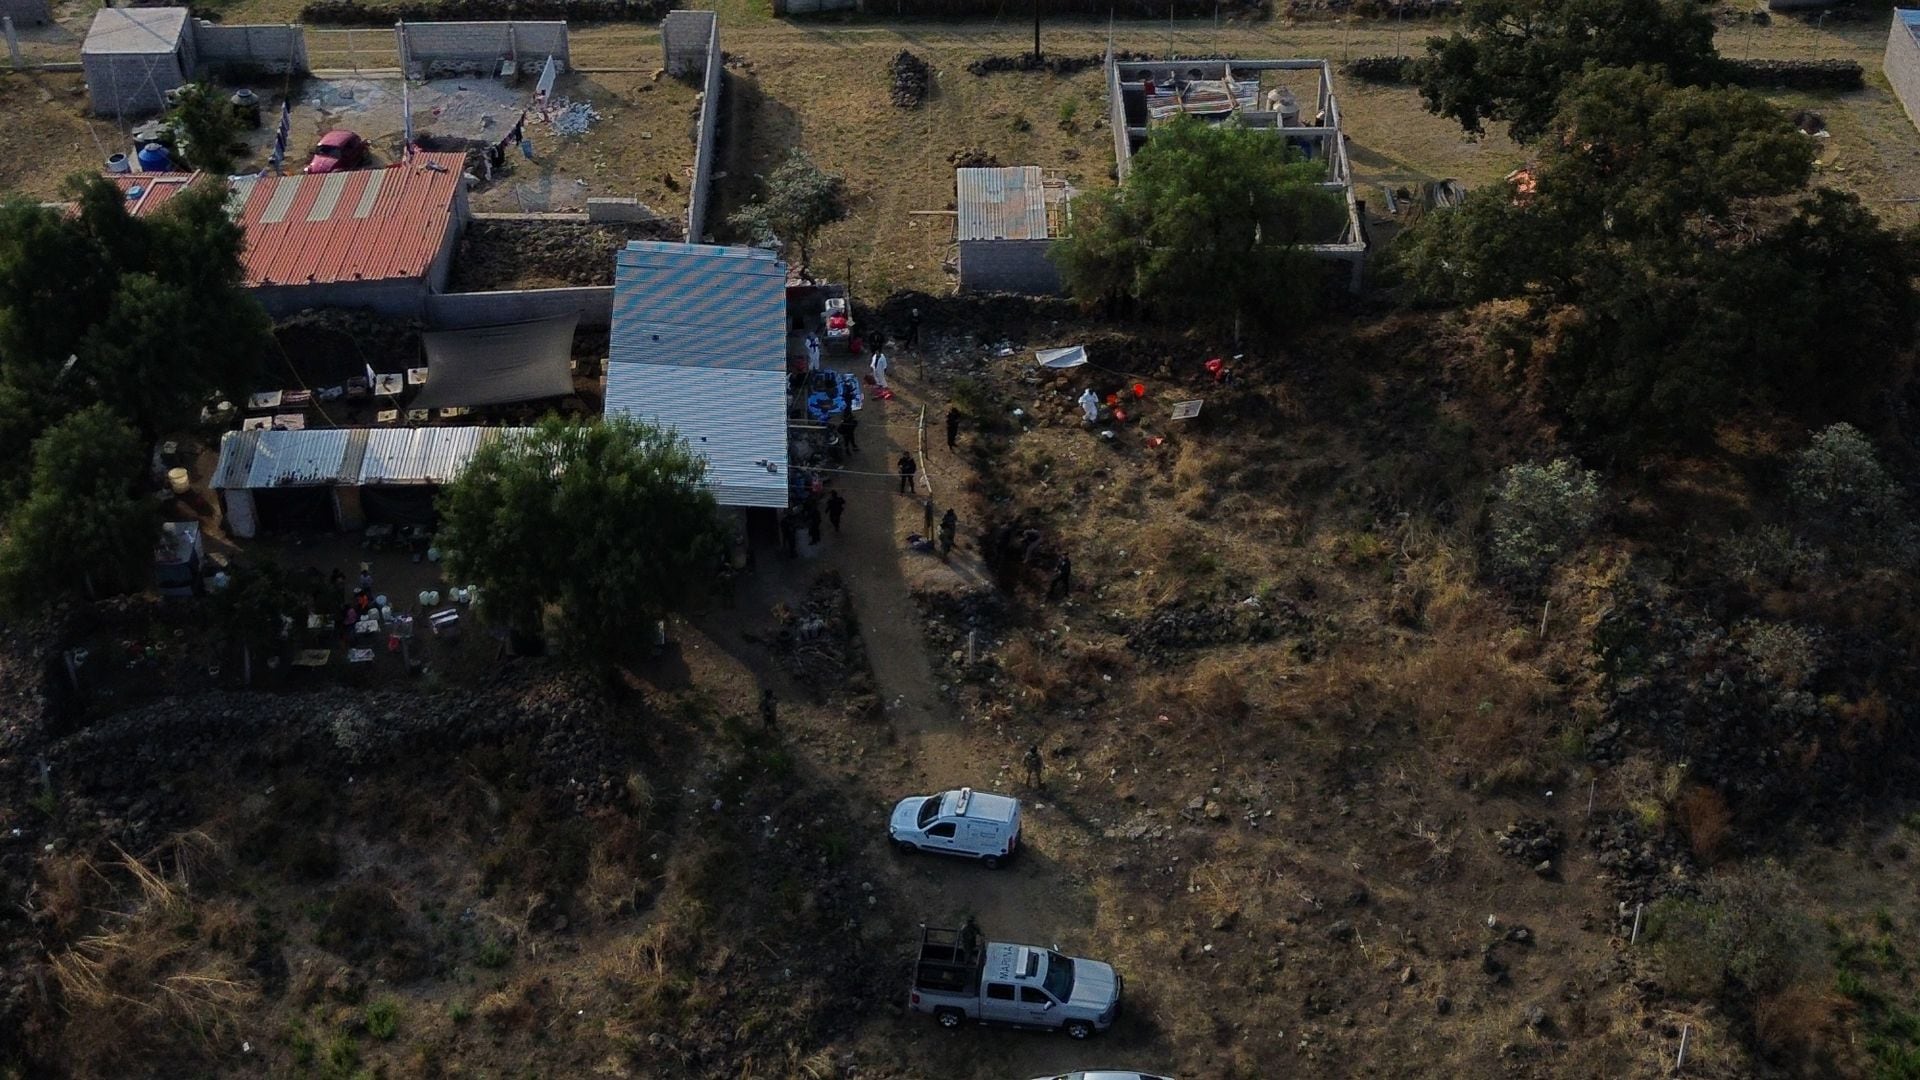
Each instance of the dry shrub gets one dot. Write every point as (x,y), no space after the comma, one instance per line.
(613,866)
(1039,675)
(1800,1026)
(148,986)
(1465,694)
(1703,817)
(71,887)
(516,1005)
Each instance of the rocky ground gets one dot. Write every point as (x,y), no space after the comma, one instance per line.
(500,254)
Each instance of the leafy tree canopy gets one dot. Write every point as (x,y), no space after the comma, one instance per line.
(607,523)
(800,200)
(1674,269)
(1208,227)
(84,527)
(209,127)
(147,315)
(1511,58)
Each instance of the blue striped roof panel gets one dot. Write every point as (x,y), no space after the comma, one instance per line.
(699,306)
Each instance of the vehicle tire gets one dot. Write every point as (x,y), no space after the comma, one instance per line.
(949,1018)
(991,862)
(907,847)
(1077,1029)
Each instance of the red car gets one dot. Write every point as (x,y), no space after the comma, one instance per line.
(338,151)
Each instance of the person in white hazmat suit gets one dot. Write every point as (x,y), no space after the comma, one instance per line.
(1090,404)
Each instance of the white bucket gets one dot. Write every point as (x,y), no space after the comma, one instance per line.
(178,480)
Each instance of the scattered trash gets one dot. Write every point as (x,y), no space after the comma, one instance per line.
(571,117)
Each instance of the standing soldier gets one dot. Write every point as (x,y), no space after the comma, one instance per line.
(907,469)
(835,507)
(953,427)
(949,525)
(1031,761)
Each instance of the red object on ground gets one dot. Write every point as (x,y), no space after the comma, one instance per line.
(1119,416)
(1216,367)
(1113,399)
(1154,442)
(338,151)
(1139,390)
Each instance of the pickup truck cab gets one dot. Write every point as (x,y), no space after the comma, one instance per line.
(1020,985)
(963,822)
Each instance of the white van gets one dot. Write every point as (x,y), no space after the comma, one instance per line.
(963,822)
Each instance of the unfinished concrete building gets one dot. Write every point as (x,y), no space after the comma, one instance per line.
(1008,220)
(1262,94)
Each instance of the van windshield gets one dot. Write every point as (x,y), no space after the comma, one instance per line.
(928,809)
(1059,980)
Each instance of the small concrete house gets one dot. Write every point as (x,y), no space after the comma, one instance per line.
(133,56)
(1008,221)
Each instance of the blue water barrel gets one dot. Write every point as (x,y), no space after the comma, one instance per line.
(154,158)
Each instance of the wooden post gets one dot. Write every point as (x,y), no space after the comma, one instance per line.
(1638,910)
(1680,1059)
(1591,790)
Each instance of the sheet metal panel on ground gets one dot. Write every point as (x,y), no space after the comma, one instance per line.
(699,346)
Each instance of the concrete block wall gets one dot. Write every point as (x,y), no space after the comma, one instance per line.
(442,49)
(713,70)
(122,85)
(684,39)
(281,49)
(458,311)
(1016,266)
(1902,63)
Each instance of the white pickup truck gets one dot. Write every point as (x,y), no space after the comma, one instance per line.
(957,980)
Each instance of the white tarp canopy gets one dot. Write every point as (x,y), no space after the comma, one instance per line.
(1071,356)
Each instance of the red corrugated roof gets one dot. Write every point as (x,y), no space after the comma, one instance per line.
(155,189)
(364,225)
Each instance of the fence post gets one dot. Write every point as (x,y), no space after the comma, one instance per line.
(13,41)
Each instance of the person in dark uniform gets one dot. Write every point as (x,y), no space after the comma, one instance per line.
(949,525)
(1031,762)
(953,427)
(848,426)
(769,710)
(907,469)
(1062,577)
(813,521)
(835,507)
(969,936)
(912,340)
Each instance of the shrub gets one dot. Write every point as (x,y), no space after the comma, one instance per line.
(1703,816)
(1747,933)
(1840,488)
(1785,654)
(383,1018)
(1539,513)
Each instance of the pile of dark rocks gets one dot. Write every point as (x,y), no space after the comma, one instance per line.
(908,79)
(1530,841)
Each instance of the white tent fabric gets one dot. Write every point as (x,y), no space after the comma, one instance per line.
(1069,357)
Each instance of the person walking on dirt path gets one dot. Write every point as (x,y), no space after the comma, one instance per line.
(813,521)
(912,340)
(1031,762)
(878,365)
(926,516)
(907,469)
(848,426)
(1062,577)
(953,427)
(769,710)
(835,507)
(949,525)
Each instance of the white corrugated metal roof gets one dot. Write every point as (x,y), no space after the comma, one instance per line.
(236,459)
(135,31)
(424,455)
(737,420)
(303,458)
(1001,204)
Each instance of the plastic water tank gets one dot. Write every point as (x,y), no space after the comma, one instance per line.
(118,164)
(154,158)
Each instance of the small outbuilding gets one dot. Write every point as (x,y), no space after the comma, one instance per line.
(1008,221)
(134,56)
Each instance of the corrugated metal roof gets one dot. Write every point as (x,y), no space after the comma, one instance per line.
(424,455)
(735,419)
(1001,204)
(236,459)
(154,189)
(135,31)
(699,345)
(304,458)
(698,305)
(364,225)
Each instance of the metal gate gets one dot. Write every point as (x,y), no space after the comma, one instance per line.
(370,51)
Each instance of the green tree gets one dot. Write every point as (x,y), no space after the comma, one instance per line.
(84,528)
(1669,277)
(1208,227)
(800,200)
(168,319)
(1511,58)
(208,127)
(607,524)
(253,610)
